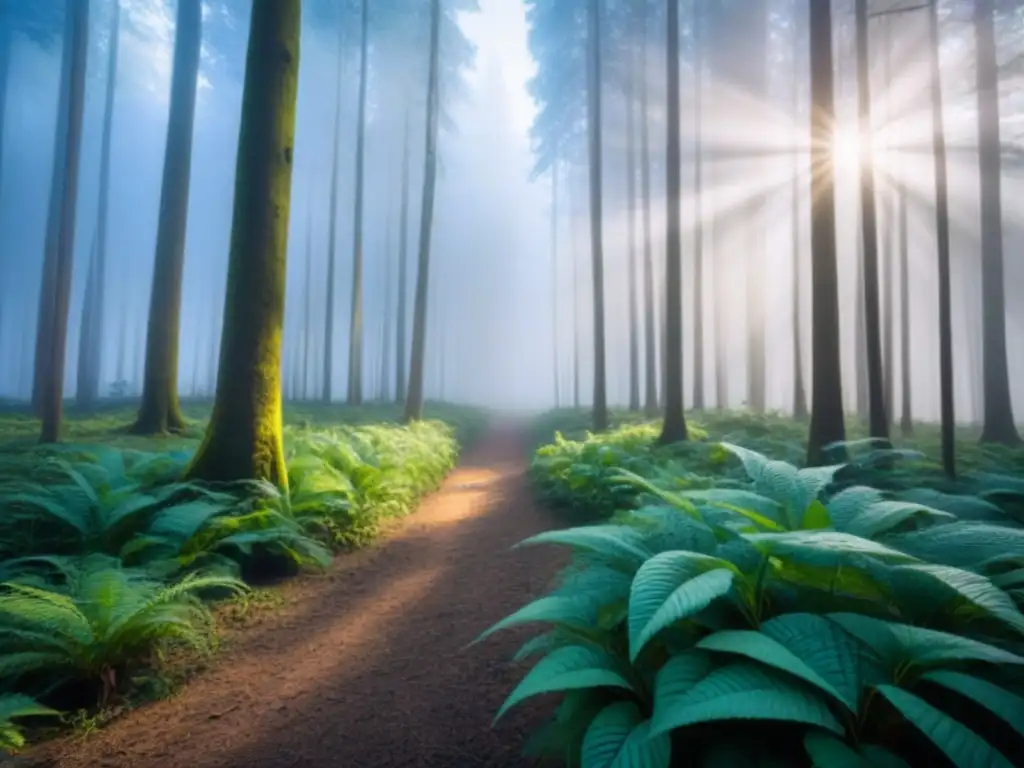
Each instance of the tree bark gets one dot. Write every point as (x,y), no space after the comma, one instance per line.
(243,439)
(355,341)
(307,301)
(631,283)
(799,388)
(650,341)
(90,352)
(827,386)
(906,418)
(674,426)
(160,411)
(878,421)
(948,417)
(414,398)
(600,405)
(73,95)
(401,329)
(698,216)
(332,236)
(998,424)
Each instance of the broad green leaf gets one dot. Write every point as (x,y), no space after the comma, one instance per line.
(826,751)
(815,517)
(570,667)
(561,609)
(846,505)
(975,589)
(682,601)
(823,647)
(883,516)
(823,547)
(1007,706)
(963,747)
(741,691)
(901,643)
(764,650)
(613,541)
(961,544)
(619,737)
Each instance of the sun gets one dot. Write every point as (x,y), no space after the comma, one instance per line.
(846,150)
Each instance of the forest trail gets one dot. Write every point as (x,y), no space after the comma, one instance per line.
(367,666)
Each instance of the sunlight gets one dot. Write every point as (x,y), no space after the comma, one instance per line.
(846,150)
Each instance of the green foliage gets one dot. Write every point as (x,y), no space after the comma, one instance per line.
(776,615)
(98,621)
(14,707)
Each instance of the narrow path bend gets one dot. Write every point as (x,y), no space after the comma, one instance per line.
(367,666)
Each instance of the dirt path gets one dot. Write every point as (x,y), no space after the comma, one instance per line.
(367,667)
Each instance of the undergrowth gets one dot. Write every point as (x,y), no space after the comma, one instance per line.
(733,609)
(110,560)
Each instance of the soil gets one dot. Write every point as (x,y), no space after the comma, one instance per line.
(367,665)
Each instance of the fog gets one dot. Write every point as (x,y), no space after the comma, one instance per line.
(500,311)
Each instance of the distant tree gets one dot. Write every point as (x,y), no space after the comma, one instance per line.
(948,417)
(799,388)
(554,279)
(595,148)
(631,282)
(160,411)
(698,214)
(244,437)
(998,423)
(69,132)
(90,352)
(402,323)
(674,427)
(827,424)
(878,420)
(355,346)
(650,341)
(307,302)
(414,396)
(332,218)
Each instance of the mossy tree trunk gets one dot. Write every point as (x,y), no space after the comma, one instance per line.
(594,146)
(414,396)
(160,410)
(827,425)
(90,353)
(674,426)
(73,96)
(355,339)
(243,439)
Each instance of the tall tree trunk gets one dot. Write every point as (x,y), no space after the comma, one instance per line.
(332,237)
(90,353)
(48,285)
(355,342)
(631,283)
(402,323)
(888,320)
(906,418)
(243,439)
(160,411)
(755,224)
(85,394)
(122,344)
(942,232)
(860,359)
(307,302)
(600,404)
(799,388)
(827,385)
(878,421)
(674,427)
(650,342)
(998,424)
(554,278)
(386,330)
(574,247)
(414,397)
(73,94)
(698,215)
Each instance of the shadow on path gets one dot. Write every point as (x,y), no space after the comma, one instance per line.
(367,667)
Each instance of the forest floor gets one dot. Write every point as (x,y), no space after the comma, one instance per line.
(366,666)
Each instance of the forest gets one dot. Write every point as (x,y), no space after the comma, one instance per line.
(599,383)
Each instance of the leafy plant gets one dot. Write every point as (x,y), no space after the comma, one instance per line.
(100,622)
(13,707)
(793,621)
